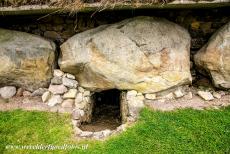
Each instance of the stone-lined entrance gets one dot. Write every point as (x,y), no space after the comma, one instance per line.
(106,114)
(106,111)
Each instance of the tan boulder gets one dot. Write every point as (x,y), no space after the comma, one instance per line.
(145,54)
(26,60)
(214,58)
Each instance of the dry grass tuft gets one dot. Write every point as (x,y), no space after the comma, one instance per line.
(75,5)
(103,4)
(22,2)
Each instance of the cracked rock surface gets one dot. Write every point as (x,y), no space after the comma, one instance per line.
(26,60)
(213,59)
(146,54)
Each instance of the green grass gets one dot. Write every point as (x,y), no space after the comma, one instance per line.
(181,131)
(30,128)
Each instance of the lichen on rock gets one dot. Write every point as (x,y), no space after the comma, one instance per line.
(146,54)
(26,60)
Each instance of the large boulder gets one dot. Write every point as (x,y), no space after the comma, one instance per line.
(213,59)
(146,54)
(26,60)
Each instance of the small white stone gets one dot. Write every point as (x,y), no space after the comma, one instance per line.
(82,105)
(106,132)
(57,89)
(55,99)
(70,76)
(70,94)
(130,94)
(98,135)
(86,99)
(150,96)
(86,134)
(69,82)
(178,93)
(80,89)
(216,95)
(58,73)
(7,92)
(205,95)
(86,93)
(135,103)
(46,96)
(68,103)
(79,98)
(56,80)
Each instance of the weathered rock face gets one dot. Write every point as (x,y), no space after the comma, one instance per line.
(214,58)
(25,60)
(144,53)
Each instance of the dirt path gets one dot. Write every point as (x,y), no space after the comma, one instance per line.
(195,103)
(30,104)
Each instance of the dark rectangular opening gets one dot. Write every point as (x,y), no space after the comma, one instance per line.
(106,111)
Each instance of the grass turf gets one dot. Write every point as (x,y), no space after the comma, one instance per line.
(181,131)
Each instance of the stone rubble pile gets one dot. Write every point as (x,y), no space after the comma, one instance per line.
(186,93)
(65,92)
(79,97)
(211,95)
(168,95)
